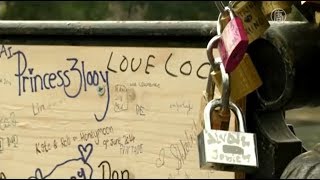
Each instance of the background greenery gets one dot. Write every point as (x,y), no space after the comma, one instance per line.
(108,10)
(111,10)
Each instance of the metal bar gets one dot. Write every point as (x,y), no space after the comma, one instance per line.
(113,28)
(107,28)
(286,59)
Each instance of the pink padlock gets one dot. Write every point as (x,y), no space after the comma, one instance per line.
(234,41)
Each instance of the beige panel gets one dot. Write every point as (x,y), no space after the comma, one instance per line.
(151,123)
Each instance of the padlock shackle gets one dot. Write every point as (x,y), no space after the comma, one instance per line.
(213,43)
(220,6)
(216,65)
(231,14)
(234,108)
(219,26)
(226,91)
(210,86)
(232,3)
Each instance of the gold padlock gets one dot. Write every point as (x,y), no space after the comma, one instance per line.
(268,7)
(317,18)
(254,21)
(243,80)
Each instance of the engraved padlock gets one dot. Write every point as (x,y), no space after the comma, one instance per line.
(272,9)
(234,41)
(227,150)
(243,80)
(254,21)
(317,18)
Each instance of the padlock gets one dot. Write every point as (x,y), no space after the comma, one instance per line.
(268,7)
(317,18)
(227,150)
(234,41)
(254,21)
(243,80)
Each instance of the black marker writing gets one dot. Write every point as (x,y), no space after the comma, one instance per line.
(29,80)
(139,110)
(2,175)
(112,174)
(125,64)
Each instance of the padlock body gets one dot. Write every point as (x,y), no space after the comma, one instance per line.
(268,7)
(227,150)
(254,21)
(233,44)
(243,80)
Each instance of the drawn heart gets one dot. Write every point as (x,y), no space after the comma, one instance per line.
(85,152)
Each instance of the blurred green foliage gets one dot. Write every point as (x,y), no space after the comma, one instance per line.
(113,10)
(108,10)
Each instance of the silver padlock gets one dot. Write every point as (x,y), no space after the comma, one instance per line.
(227,150)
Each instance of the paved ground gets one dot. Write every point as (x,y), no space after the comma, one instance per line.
(306,123)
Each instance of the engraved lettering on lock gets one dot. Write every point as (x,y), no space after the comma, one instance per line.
(246,157)
(233,138)
(253,19)
(244,143)
(215,154)
(216,138)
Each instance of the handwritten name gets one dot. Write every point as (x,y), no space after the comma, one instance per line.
(180,106)
(145,84)
(6,50)
(46,146)
(120,98)
(179,151)
(108,173)
(7,121)
(12,141)
(39,108)
(230,147)
(30,80)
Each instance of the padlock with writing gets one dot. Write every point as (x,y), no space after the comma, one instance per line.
(317,18)
(254,21)
(227,150)
(272,8)
(234,41)
(243,80)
